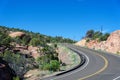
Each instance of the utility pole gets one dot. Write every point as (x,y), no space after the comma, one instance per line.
(101,29)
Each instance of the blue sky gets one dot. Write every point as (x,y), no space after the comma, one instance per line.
(67,18)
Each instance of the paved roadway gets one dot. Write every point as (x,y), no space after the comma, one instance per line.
(98,66)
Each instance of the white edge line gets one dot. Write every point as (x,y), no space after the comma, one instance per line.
(116,78)
(77,70)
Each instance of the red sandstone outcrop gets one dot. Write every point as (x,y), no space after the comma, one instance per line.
(16,34)
(34,51)
(28,50)
(92,44)
(112,44)
(81,43)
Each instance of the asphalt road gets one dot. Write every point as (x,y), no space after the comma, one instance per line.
(98,66)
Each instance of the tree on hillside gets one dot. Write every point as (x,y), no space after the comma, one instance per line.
(5,40)
(97,34)
(104,37)
(93,35)
(25,40)
(35,42)
(89,34)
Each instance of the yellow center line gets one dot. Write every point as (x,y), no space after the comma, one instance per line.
(101,70)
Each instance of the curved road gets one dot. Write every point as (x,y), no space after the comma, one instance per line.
(98,66)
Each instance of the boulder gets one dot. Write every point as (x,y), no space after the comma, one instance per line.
(34,51)
(16,34)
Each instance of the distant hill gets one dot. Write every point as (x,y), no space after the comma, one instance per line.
(41,37)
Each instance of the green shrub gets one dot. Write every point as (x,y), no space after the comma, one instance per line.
(54,65)
(35,42)
(118,52)
(88,40)
(46,66)
(16,78)
(93,35)
(48,62)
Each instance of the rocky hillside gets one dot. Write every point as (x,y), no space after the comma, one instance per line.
(25,50)
(112,44)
